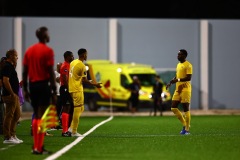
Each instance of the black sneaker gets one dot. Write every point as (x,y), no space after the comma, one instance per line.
(67,134)
(35,151)
(44,151)
(58,127)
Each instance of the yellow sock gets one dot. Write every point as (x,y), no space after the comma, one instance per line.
(75,119)
(188,119)
(179,115)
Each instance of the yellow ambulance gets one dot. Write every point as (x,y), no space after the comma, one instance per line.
(115,78)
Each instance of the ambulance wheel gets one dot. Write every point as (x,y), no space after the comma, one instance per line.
(92,106)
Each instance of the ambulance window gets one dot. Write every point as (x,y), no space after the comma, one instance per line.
(124,81)
(145,79)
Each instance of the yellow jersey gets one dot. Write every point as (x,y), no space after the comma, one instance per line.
(77,71)
(182,70)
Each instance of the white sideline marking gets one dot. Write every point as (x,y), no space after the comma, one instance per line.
(5,148)
(66,148)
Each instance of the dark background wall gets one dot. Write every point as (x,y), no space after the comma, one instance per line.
(150,41)
(148,33)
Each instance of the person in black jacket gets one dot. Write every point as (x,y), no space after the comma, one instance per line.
(157,92)
(2,107)
(10,97)
(134,88)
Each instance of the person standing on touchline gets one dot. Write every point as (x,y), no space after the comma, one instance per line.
(182,93)
(77,76)
(39,84)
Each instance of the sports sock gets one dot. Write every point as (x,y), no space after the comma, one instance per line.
(65,119)
(188,119)
(75,120)
(179,115)
(35,124)
(41,139)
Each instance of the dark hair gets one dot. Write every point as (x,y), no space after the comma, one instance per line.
(3,59)
(184,52)
(40,32)
(10,52)
(81,51)
(66,54)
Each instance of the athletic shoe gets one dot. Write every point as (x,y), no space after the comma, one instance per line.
(44,151)
(16,138)
(48,134)
(11,141)
(187,133)
(76,135)
(35,151)
(53,129)
(70,129)
(183,131)
(67,134)
(58,127)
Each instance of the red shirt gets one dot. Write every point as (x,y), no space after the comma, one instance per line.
(38,58)
(64,70)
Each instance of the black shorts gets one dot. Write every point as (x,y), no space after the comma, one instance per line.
(134,101)
(65,96)
(40,94)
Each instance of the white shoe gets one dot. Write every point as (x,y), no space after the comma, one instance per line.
(11,141)
(19,140)
(76,135)
(70,129)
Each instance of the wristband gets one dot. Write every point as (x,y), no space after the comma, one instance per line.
(178,79)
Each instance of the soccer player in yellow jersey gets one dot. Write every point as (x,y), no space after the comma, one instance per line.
(182,93)
(77,76)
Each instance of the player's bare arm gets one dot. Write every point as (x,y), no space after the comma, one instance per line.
(91,82)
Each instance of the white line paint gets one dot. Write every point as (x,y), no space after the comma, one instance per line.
(66,148)
(7,147)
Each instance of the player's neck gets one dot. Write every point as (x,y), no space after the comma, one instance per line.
(183,61)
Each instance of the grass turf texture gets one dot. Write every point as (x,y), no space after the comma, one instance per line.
(139,138)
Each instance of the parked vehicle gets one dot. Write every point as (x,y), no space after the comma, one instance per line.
(115,78)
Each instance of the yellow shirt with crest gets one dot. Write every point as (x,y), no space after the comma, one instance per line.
(182,70)
(76,72)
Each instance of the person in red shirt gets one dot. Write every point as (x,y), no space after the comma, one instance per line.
(66,99)
(39,83)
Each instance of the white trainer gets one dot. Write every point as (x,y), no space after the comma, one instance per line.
(76,135)
(11,141)
(17,139)
(70,129)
